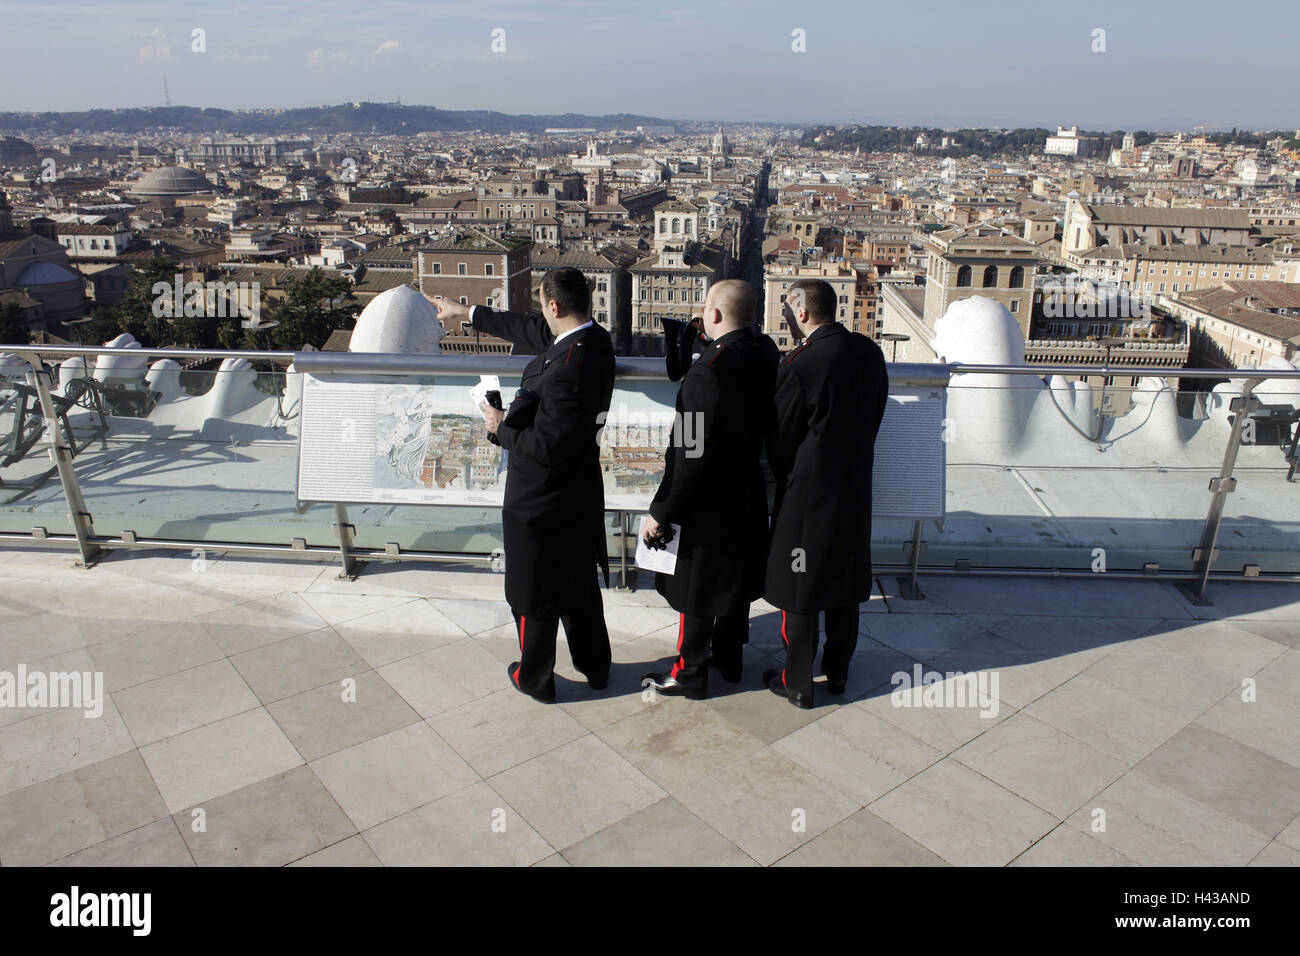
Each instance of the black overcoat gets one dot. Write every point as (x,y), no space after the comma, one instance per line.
(724,404)
(553,517)
(830,398)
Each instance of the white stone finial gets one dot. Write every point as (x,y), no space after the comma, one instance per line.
(399,320)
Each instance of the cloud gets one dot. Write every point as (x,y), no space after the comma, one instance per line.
(159,47)
(388,48)
(243,58)
(320,58)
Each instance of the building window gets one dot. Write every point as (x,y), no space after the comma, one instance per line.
(1017,277)
(663,225)
(487,269)
(464,300)
(462,269)
(1015,305)
(991,277)
(677,226)
(963,277)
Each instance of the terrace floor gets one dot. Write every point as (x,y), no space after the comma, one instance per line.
(1120,736)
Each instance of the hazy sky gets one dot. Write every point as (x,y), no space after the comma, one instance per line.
(1167,63)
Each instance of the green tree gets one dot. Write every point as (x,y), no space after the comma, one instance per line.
(13,325)
(105,324)
(136,310)
(315,304)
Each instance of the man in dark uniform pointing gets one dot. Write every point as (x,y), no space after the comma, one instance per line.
(713,487)
(830,397)
(553,514)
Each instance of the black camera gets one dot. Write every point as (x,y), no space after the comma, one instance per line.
(661,540)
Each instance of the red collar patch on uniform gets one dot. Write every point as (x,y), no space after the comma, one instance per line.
(716,354)
(791,356)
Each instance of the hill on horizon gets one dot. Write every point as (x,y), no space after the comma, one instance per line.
(377,118)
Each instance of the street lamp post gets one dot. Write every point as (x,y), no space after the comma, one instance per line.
(895,337)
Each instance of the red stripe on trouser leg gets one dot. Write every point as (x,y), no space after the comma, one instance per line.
(681,635)
(786,641)
(523,623)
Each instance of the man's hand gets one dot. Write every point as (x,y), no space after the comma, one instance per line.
(447,309)
(651,527)
(791,322)
(493,417)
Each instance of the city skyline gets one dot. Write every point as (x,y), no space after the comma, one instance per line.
(1017,67)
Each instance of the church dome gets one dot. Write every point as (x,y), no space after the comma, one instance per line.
(45,273)
(171,181)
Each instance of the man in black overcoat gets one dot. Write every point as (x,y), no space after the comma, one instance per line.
(554,509)
(830,398)
(713,487)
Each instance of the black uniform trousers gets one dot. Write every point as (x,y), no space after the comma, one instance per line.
(584,628)
(701,639)
(799,631)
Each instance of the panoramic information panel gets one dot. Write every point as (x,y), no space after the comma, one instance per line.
(907,479)
(374,439)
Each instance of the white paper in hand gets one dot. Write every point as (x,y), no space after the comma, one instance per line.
(478,393)
(665,560)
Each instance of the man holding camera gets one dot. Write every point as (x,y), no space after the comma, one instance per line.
(713,487)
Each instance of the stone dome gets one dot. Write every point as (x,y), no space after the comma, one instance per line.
(171,181)
(979,331)
(45,273)
(399,320)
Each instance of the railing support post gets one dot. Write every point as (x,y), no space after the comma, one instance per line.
(78,513)
(1203,557)
(623,532)
(351,566)
(907,587)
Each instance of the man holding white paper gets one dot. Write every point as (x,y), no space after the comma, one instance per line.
(713,488)
(553,514)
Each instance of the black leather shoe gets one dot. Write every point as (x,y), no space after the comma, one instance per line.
(836,687)
(598,683)
(731,677)
(511,670)
(776,684)
(669,686)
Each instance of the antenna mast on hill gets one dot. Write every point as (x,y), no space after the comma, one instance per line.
(167,98)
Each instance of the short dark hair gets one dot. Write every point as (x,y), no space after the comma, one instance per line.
(734,298)
(818,298)
(569,288)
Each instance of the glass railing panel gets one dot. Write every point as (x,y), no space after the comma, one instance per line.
(1040,473)
(1261,517)
(1050,473)
(199,454)
(30,493)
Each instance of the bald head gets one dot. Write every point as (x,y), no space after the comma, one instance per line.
(735,300)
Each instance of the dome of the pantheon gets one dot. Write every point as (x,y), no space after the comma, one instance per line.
(171,181)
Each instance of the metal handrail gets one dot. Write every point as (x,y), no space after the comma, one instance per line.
(1156,371)
(634,367)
